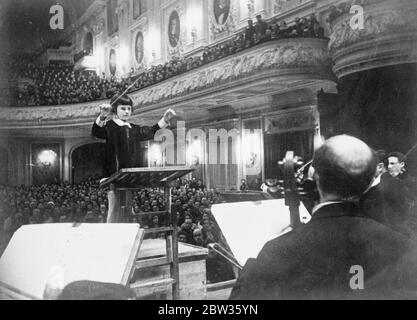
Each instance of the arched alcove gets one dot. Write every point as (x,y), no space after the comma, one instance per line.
(87,161)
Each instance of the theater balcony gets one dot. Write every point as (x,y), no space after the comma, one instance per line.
(245,81)
(388,37)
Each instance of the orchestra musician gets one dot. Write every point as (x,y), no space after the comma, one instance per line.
(340,253)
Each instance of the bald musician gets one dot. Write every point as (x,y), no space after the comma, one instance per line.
(340,253)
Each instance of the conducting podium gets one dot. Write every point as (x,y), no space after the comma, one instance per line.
(121,185)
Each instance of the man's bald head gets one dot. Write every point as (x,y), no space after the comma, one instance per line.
(345,166)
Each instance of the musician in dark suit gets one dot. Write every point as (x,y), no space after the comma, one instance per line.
(340,253)
(397,169)
(122,149)
(386,201)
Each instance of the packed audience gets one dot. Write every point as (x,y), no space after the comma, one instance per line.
(85,202)
(61,84)
(54,85)
(60,202)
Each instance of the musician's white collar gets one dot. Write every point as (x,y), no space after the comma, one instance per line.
(376,181)
(323,204)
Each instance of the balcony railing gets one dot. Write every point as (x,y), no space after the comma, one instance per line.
(271,65)
(388,36)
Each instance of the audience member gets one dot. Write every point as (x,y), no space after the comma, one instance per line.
(260,29)
(243,185)
(250,34)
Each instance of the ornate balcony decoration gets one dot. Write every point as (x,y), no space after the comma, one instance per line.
(389,36)
(272,57)
(268,68)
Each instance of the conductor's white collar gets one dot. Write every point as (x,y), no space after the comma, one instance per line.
(121,123)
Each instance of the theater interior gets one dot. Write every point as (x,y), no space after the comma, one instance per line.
(243,97)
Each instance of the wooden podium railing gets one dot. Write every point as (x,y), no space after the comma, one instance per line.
(127,180)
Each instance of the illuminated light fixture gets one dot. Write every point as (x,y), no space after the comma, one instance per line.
(88,63)
(47,157)
(194,152)
(155,155)
(251,149)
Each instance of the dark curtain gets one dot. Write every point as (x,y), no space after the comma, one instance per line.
(276,145)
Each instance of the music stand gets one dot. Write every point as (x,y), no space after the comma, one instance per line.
(127,180)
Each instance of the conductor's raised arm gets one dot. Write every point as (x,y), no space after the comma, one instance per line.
(98,129)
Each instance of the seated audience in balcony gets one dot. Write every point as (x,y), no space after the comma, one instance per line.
(250,34)
(260,29)
(61,84)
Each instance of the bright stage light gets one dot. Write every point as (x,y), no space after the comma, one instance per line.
(155,155)
(88,63)
(194,152)
(47,157)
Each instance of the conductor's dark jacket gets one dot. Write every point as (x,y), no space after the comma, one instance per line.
(320,261)
(122,149)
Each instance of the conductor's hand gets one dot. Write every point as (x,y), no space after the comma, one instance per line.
(168,115)
(105,110)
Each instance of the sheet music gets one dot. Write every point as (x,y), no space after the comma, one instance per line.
(37,253)
(247,226)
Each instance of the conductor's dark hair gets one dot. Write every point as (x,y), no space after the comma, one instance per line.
(118,100)
(341,176)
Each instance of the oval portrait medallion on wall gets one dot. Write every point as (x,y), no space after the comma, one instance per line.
(139,47)
(174,28)
(221,10)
